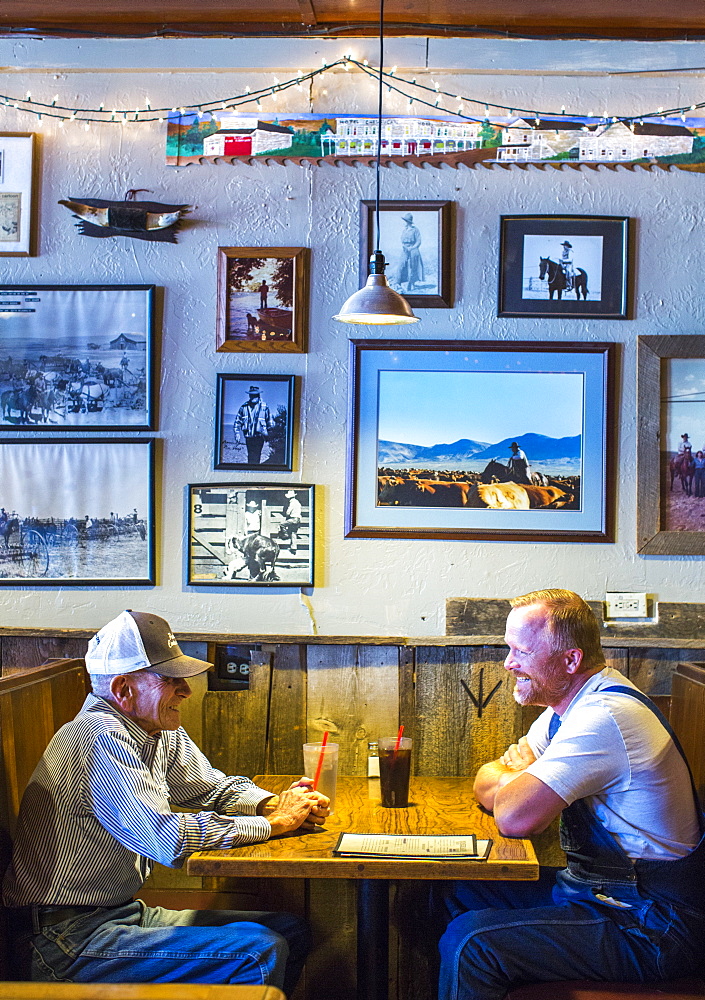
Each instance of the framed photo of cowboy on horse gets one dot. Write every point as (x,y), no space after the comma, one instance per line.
(250,535)
(568,266)
(481,439)
(671,445)
(76,357)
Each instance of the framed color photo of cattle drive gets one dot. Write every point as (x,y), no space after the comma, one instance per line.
(671,445)
(481,439)
(76,357)
(250,535)
(568,266)
(262,299)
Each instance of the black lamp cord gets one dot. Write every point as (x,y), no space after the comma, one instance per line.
(379,117)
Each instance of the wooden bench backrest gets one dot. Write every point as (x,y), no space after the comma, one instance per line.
(33,706)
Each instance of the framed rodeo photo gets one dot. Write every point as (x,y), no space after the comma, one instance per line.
(490,440)
(567,266)
(250,535)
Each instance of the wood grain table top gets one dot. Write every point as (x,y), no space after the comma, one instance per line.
(437,806)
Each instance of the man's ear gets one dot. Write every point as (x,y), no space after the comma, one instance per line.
(573,658)
(121,689)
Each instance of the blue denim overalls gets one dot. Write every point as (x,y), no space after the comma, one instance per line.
(605,917)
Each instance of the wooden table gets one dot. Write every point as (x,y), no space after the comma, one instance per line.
(437,806)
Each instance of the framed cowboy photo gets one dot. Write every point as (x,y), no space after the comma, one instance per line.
(567,266)
(254,421)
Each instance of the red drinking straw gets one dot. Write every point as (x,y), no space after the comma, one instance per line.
(399,736)
(320,760)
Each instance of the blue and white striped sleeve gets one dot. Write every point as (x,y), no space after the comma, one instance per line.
(195,783)
(135,809)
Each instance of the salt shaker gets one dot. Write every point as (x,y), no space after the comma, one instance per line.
(373,759)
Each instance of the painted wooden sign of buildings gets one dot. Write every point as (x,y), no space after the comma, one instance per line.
(197,137)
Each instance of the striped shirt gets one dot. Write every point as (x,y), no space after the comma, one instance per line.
(98,811)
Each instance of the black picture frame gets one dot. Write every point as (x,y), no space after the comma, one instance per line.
(80,512)
(249,535)
(69,364)
(19,186)
(434,223)
(554,399)
(274,415)
(531,277)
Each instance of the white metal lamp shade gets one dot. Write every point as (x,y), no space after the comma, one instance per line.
(376,303)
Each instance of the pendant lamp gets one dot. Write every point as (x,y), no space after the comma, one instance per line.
(376,303)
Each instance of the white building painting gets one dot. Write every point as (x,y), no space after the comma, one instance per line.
(405,136)
(524,141)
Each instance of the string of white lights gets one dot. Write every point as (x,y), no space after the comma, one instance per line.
(412,90)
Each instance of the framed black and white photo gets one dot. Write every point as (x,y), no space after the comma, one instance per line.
(250,535)
(564,265)
(254,421)
(481,439)
(416,240)
(76,357)
(18,194)
(77,512)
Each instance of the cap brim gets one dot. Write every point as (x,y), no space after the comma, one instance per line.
(180,666)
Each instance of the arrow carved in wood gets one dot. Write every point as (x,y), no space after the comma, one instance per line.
(481,702)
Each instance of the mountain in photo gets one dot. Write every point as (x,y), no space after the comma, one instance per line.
(537,447)
(390,452)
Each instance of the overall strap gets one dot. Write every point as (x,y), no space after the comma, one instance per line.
(645,700)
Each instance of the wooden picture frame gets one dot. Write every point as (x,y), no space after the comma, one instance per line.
(77,357)
(250,535)
(669,369)
(532,266)
(262,299)
(18,194)
(77,512)
(422,412)
(254,422)
(416,239)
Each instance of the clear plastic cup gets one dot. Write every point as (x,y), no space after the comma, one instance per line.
(328,778)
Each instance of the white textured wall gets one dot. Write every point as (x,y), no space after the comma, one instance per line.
(363,586)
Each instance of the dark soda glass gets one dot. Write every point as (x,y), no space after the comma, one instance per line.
(394,770)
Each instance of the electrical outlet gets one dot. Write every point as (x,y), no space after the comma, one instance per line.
(620,605)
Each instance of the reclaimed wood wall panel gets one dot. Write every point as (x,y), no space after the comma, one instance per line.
(287,709)
(332,914)
(652,669)
(235,724)
(465,713)
(353,692)
(28,652)
(688,719)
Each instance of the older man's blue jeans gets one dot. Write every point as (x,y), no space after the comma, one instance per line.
(135,943)
(506,934)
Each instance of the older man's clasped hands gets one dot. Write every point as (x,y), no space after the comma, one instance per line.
(299,807)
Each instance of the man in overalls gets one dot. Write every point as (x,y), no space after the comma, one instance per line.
(630,906)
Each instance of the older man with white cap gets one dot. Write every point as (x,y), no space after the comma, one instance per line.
(97,814)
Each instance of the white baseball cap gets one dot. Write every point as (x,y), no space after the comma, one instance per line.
(137,640)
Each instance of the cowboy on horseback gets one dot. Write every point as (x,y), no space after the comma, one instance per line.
(567,264)
(685,445)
